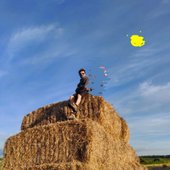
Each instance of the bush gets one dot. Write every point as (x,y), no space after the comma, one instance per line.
(164,166)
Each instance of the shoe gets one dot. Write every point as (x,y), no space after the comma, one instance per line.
(72,117)
(73,106)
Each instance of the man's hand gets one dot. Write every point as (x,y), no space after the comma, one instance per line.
(89,89)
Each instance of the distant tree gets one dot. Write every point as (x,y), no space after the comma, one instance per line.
(142,160)
(156,160)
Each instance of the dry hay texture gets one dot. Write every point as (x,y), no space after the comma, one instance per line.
(98,140)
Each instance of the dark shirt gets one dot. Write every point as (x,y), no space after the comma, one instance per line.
(82,86)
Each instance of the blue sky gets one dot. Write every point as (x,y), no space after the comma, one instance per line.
(44,43)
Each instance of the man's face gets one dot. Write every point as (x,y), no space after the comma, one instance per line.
(82,74)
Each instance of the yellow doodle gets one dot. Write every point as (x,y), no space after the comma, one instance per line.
(137,41)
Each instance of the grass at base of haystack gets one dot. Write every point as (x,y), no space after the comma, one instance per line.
(158,166)
(1,161)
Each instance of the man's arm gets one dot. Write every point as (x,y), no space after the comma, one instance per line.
(82,86)
(85,81)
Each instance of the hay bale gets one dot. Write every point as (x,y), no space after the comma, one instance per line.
(98,140)
(92,107)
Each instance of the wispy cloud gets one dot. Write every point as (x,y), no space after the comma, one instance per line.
(149,147)
(31,35)
(146,110)
(58,50)
(151,125)
(160,11)
(146,98)
(147,89)
(24,45)
(150,134)
(135,66)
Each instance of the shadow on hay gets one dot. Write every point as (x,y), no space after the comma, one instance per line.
(49,115)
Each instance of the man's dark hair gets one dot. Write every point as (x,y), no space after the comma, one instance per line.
(82,69)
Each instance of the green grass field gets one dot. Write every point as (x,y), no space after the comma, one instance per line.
(158,167)
(156,162)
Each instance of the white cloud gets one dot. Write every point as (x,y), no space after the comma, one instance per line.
(139,64)
(29,35)
(51,52)
(147,88)
(159,94)
(160,11)
(150,125)
(147,112)
(146,98)
(148,133)
(41,44)
(34,33)
(151,147)
(134,67)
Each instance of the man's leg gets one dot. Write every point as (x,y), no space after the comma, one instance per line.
(73,106)
(72,99)
(78,99)
(72,103)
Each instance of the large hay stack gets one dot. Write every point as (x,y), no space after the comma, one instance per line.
(98,140)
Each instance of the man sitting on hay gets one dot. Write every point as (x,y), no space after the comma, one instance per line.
(81,89)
